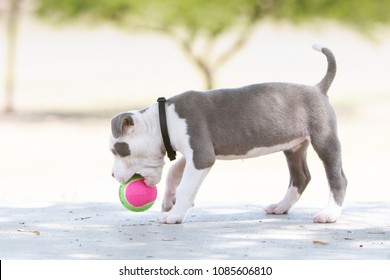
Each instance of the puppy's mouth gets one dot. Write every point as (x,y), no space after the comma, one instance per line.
(150,181)
(122,180)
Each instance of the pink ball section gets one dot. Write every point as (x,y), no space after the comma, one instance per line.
(138,193)
(135,195)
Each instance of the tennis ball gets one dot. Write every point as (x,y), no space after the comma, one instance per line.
(135,195)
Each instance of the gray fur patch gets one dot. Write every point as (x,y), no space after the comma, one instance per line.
(119,123)
(234,121)
(122,149)
(297,165)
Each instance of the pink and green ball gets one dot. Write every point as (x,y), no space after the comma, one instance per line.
(136,196)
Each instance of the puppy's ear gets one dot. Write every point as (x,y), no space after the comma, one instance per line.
(121,123)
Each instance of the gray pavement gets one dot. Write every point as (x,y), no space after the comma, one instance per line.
(222,231)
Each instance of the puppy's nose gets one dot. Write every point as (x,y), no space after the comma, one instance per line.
(112,174)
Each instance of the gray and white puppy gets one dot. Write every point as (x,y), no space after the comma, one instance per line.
(234,124)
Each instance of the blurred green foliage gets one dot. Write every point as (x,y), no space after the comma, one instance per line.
(213,17)
(208,17)
(359,14)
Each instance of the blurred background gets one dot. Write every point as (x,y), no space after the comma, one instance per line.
(67,67)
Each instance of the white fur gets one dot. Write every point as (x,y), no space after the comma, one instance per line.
(331,212)
(282,207)
(174,177)
(318,47)
(185,195)
(260,151)
(177,128)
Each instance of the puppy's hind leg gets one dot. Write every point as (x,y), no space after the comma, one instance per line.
(299,179)
(329,150)
(174,177)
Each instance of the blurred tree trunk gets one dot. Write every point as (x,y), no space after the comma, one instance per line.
(12,28)
(207,67)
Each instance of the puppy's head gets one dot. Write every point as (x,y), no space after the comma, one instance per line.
(135,149)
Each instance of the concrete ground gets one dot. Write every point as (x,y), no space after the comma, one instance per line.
(242,231)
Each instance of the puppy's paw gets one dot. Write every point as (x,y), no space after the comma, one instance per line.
(171,218)
(277,209)
(327,216)
(163,218)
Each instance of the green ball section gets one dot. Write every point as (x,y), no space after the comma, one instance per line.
(122,197)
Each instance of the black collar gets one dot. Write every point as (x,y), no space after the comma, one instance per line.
(164,128)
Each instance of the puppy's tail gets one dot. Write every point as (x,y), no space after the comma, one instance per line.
(325,83)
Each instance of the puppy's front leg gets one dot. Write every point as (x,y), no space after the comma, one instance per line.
(185,195)
(174,177)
